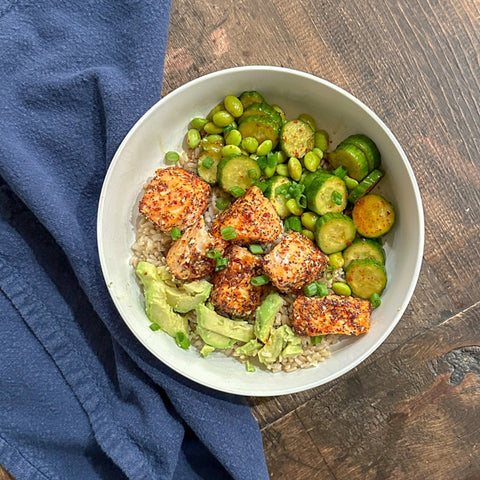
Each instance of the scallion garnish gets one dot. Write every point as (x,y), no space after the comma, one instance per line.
(214,253)
(208,162)
(182,340)
(154,327)
(222,263)
(222,203)
(315,340)
(253,174)
(310,290)
(237,191)
(260,280)
(336,197)
(175,233)
(228,233)
(172,157)
(375,300)
(255,248)
(322,289)
(295,224)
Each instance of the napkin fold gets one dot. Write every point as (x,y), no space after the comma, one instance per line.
(80,398)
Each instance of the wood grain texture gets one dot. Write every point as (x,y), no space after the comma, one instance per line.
(412,414)
(4,475)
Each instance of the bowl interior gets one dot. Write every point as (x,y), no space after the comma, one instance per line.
(163,128)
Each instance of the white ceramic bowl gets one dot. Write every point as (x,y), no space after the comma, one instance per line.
(163,128)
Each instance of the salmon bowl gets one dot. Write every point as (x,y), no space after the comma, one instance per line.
(145,252)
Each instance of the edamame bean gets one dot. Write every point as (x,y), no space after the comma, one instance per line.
(222,118)
(321,140)
(269,172)
(214,110)
(193,138)
(234,137)
(215,138)
(229,150)
(318,152)
(293,207)
(211,147)
(308,233)
(282,170)
(199,122)
(282,157)
(341,288)
(264,148)
(233,106)
(336,260)
(309,219)
(311,161)
(295,168)
(350,182)
(171,156)
(250,144)
(210,127)
(308,119)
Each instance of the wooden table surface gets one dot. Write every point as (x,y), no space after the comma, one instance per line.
(412,410)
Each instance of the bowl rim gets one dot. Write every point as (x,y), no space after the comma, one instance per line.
(418,201)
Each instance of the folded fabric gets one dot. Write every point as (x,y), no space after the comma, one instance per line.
(80,398)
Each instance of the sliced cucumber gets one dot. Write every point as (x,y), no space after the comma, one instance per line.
(261,128)
(237,171)
(363,248)
(262,110)
(373,216)
(321,196)
(365,185)
(297,138)
(209,174)
(368,147)
(366,277)
(249,97)
(309,177)
(334,232)
(278,201)
(352,158)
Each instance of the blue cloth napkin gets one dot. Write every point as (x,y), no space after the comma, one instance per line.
(80,398)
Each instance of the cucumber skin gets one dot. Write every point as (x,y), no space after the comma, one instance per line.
(368,263)
(369,244)
(286,140)
(264,128)
(352,158)
(224,164)
(328,218)
(368,147)
(315,186)
(365,185)
(261,109)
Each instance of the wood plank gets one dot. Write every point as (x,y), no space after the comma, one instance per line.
(4,475)
(412,414)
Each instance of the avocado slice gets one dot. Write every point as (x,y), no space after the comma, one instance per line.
(156,307)
(265,316)
(186,299)
(281,339)
(215,339)
(250,348)
(210,320)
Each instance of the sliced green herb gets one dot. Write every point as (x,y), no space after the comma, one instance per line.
(222,203)
(262,186)
(255,248)
(222,263)
(253,174)
(237,191)
(295,224)
(310,290)
(182,340)
(260,280)
(214,253)
(228,233)
(175,233)
(173,157)
(208,162)
(154,327)
(316,340)
(322,289)
(375,300)
(337,197)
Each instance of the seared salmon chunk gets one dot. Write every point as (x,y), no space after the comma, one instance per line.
(187,258)
(294,263)
(175,198)
(233,294)
(253,217)
(333,314)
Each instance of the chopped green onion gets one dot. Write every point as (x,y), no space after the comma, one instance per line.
(182,340)
(175,233)
(208,162)
(340,172)
(302,201)
(253,174)
(322,289)
(173,157)
(375,300)
(316,340)
(214,253)
(237,191)
(310,290)
(262,186)
(286,224)
(272,160)
(255,248)
(329,272)
(154,327)
(337,197)
(260,280)
(222,263)
(222,203)
(262,162)
(295,224)
(228,233)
